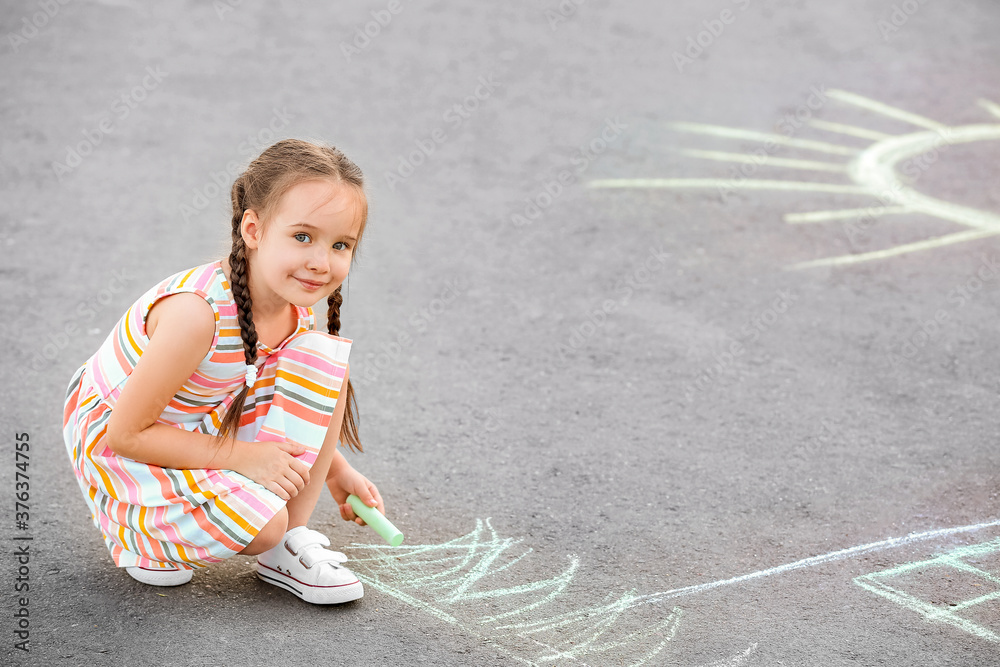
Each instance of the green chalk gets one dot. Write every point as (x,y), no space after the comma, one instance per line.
(376,520)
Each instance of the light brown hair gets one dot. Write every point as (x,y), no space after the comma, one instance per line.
(260,188)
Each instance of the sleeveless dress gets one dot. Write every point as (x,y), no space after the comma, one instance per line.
(155,517)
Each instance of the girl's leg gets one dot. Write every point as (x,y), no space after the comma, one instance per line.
(269,535)
(301,506)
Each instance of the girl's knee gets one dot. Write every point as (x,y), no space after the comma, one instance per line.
(270,535)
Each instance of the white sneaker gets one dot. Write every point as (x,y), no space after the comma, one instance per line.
(301,565)
(172,576)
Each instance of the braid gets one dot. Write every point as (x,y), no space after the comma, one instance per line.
(333,315)
(349,430)
(244,303)
(239,271)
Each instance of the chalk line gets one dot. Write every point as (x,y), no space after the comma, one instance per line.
(816,560)
(736,660)
(885,109)
(992,107)
(851,130)
(768,137)
(943,614)
(458,582)
(916,246)
(747,184)
(725,156)
(843,214)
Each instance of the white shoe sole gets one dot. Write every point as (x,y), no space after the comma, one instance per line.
(310,593)
(160,577)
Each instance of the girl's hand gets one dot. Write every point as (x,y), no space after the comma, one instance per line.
(346,481)
(273,465)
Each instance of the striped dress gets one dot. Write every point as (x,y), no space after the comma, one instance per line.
(155,517)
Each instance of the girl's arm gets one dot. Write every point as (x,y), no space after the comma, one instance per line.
(181,328)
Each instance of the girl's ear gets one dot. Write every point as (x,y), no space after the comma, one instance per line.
(250,229)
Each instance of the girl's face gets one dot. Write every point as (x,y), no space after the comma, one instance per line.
(306,251)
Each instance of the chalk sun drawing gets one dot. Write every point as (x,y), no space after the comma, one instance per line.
(471,582)
(872,170)
(966,564)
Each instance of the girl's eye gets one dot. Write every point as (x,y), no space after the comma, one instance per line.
(340,243)
(301,234)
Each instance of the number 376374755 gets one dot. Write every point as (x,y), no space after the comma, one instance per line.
(21,477)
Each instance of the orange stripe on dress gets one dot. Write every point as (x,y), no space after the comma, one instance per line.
(185,278)
(239,493)
(152,542)
(237,519)
(131,341)
(133,493)
(109,487)
(300,381)
(90,399)
(221,357)
(121,519)
(317,377)
(194,486)
(169,530)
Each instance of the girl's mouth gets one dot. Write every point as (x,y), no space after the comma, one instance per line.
(309,285)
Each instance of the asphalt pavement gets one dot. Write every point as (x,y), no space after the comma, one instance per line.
(673,323)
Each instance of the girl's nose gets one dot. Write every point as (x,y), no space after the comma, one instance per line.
(319,261)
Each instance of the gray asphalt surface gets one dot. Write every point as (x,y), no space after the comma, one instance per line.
(557,365)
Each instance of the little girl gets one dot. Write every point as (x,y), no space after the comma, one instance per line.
(207,422)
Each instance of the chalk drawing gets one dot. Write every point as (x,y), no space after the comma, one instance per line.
(471,582)
(872,169)
(813,561)
(948,609)
(736,660)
